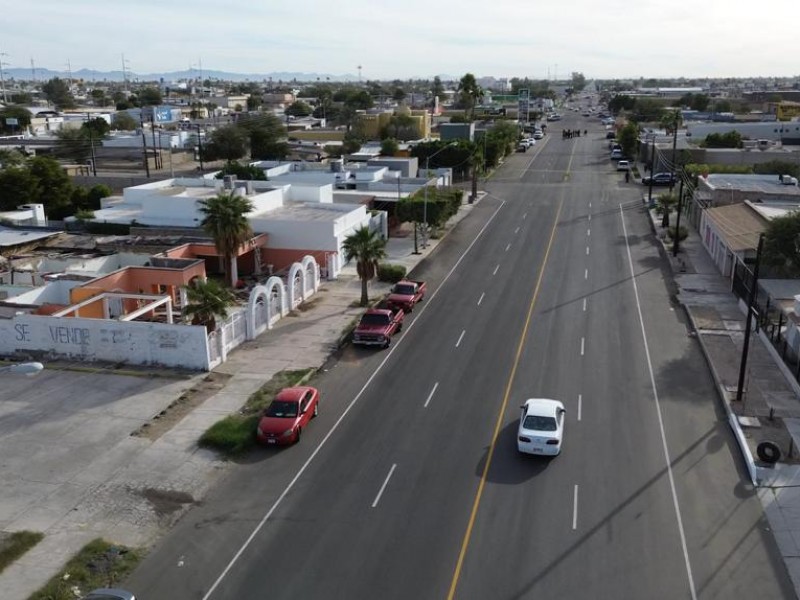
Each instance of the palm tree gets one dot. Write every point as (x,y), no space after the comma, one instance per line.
(207,300)
(368,249)
(226,221)
(470,93)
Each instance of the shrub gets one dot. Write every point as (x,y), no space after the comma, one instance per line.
(682,233)
(391,273)
(17,544)
(233,435)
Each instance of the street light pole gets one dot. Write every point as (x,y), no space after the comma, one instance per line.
(425,203)
(749,324)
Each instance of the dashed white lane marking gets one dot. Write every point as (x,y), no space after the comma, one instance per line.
(495,270)
(433,391)
(461,337)
(587,250)
(507,247)
(590,205)
(516,230)
(383,487)
(588,232)
(586,273)
(590,217)
(481,298)
(525,216)
(575,508)
(583,345)
(580,406)
(584,305)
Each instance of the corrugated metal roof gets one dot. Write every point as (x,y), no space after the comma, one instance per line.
(738,224)
(15,237)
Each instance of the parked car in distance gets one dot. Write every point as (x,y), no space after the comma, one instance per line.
(405,294)
(541,427)
(660,179)
(283,421)
(538,134)
(109,594)
(377,326)
(623,165)
(610,135)
(616,154)
(522,147)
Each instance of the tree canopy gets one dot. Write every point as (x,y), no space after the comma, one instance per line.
(782,245)
(57,92)
(225,219)
(367,248)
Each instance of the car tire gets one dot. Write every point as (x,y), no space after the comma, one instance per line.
(768,452)
(297,435)
(316,410)
(400,327)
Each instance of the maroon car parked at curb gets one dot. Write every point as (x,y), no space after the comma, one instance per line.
(287,415)
(405,294)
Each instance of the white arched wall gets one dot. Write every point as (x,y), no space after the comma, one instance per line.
(265,292)
(296,272)
(310,268)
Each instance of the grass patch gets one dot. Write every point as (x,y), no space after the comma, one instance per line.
(98,564)
(17,544)
(236,433)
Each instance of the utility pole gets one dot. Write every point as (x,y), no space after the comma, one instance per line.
(2,79)
(144,146)
(156,150)
(674,147)
(750,302)
(652,168)
(91,145)
(200,149)
(676,241)
(33,71)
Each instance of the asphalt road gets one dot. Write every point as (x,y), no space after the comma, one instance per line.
(417,490)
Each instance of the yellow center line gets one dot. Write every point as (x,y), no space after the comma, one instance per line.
(498,425)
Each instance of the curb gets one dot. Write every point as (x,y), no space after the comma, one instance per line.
(733,421)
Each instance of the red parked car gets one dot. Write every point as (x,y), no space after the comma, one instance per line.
(287,415)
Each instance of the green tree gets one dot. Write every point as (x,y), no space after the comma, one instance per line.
(17,186)
(470,93)
(207,300)
(244,172)
(402,127)
(299,109)
(367,248)
(629,139)
(648,110)
(578,81)
(21,98)
(228,142)
(437,89)
(352,142)
(57,92)
(73,144)
(782,245)
(150,96)
(55,186)
(22,115)
(11,157)
(96,194)
(99,97)
(98,126)
(389,147)
(253,103)
(777,167)
(399,94)
(225,219)
(664,206)
(731,139)
(123,121)
(621,102)
(265,146)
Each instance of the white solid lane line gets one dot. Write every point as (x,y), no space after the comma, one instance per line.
(580,406)
(461,337)
(583,345)
(495,270)
(481,298)
(383,487)
(575,508)
(433,391)
(246,544)
(507,247)
(667,458)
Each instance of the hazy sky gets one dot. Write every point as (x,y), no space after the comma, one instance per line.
(410,38)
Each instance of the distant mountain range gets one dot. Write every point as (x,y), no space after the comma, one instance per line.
(92,75)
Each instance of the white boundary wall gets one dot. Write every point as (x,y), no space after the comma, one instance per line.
(132,342)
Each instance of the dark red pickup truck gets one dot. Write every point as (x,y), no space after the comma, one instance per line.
(377,326)
(405,294)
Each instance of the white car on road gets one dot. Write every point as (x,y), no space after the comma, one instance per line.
(541,427)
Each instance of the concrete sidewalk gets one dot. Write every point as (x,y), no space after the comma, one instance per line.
(718,319)
(123,509)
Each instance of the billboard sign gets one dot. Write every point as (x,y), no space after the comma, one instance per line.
(524,104)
